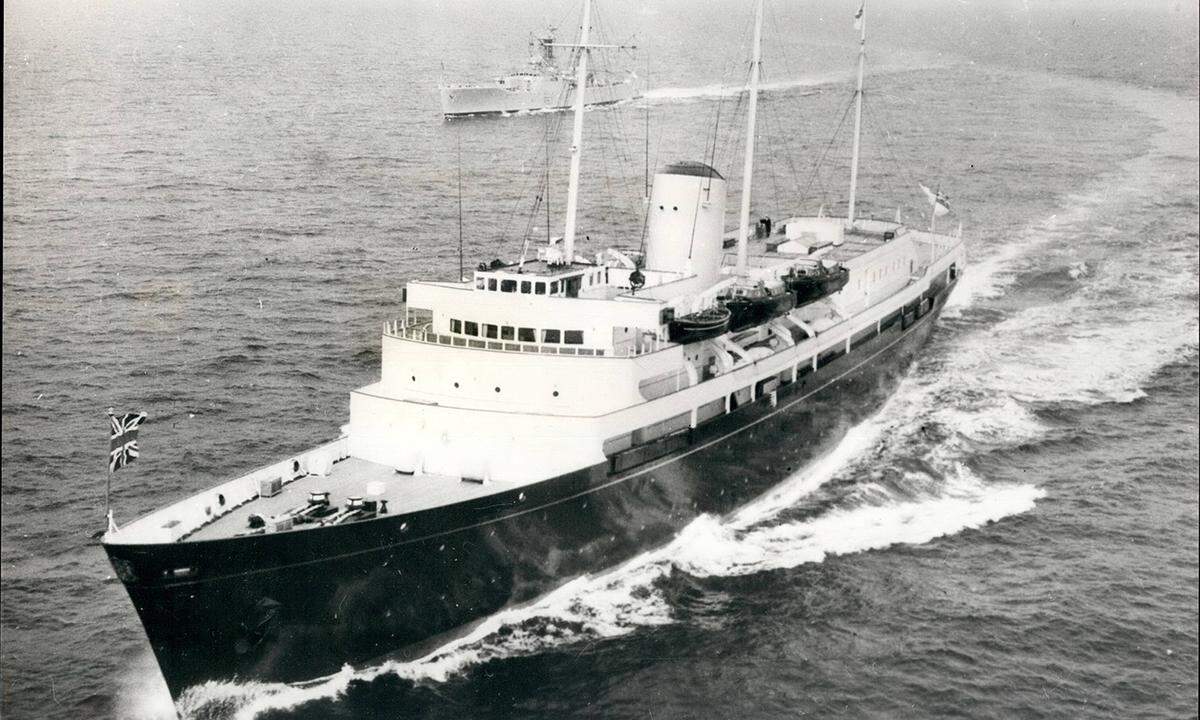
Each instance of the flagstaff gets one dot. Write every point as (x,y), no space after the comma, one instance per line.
(122,450)
(108,513)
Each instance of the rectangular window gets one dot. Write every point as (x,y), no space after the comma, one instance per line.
(456,326)
(550,336)
(506,332)
(490,330)
(554,288)
(539,288)
(573,337)
(491,283)
(830,355)
(862,336)
(471,328)
(480,284)
(526,287)
(526,334)
(508,286)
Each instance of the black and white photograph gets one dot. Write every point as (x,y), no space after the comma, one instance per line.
(629,359)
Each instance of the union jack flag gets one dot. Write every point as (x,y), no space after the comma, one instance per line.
(123,447)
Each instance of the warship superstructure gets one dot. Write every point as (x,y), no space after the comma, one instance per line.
(540,420)
(541,85)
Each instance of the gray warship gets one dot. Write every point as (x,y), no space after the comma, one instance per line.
(541,85)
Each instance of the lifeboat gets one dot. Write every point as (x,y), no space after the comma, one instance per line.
(757,308)
(809,285)
(699,326)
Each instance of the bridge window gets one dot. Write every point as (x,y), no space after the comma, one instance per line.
(554,288)
(491,284)
(508,286)
(550,336)
(527,335)
(526,287)
(490,331)
(573,337)
(539,288)
(456,326)
(471,328)
(506,332)
(480,283)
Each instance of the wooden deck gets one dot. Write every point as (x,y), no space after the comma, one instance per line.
(349,477)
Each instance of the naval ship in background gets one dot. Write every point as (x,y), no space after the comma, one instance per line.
(541,420)
(542,85)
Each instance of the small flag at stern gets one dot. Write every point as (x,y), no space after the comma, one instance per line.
(123,445)
(939,201)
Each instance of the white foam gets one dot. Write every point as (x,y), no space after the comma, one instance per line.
(720,550)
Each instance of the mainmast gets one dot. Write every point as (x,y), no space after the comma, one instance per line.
(861,23)
(577,136)
(751,120)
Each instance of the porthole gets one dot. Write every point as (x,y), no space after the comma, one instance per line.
(497,388)
(221,500)
(675,208)
(660,207)
(456,385)
(403,527)
(414,378)
(555,393)
(521,497)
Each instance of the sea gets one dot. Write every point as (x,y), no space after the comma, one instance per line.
(210,210)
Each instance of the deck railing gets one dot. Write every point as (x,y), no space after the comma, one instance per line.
(423,333)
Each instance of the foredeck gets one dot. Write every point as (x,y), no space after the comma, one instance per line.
(349,477)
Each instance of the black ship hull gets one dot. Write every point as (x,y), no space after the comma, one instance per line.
(297,605)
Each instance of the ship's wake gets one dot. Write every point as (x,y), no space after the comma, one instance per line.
(809,84)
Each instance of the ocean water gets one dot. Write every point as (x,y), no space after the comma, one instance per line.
(209,211)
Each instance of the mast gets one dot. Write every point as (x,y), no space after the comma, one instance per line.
(458,148)
(751,120)
(861,22)
(577,136)
(646,172)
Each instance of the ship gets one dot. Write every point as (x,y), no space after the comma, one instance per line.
(540,85)
(541,420)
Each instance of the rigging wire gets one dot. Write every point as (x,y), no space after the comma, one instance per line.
(904,169)
(820,160)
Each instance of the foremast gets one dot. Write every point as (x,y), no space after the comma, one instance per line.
(577,136)
(751,121)
(861,22)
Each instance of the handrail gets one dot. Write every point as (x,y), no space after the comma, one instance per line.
(422,333)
